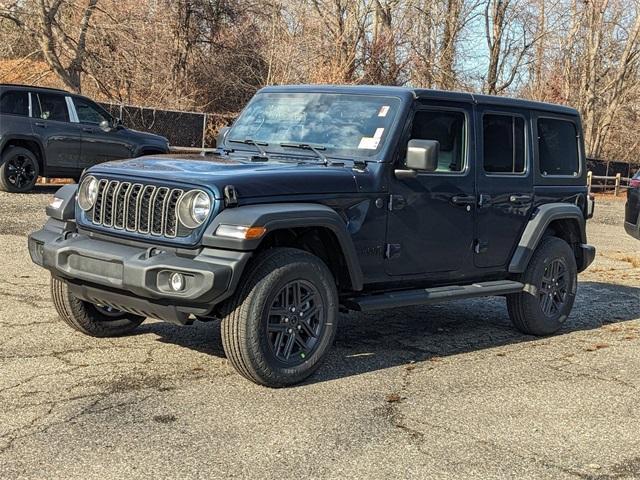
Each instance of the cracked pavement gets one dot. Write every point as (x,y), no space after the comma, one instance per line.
(443,391)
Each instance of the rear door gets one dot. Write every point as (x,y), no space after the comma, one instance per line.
(98,144)
(504,183)
(61,138)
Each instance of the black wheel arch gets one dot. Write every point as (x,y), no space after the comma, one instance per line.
(562,220)
(315,228)
(32,144)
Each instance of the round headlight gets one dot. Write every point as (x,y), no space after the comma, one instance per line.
(194,208)
(88,193)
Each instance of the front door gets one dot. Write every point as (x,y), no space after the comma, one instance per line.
(504,183)
(431,218)
(98,144)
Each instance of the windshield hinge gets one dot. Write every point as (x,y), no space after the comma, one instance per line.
(230,196)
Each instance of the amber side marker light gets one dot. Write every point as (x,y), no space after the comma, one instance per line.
(240,232)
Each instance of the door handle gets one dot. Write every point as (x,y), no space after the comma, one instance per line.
(87,129)
(40,124)
(519,198)
(463,200)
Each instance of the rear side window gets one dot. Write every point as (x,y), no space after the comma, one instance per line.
(558,147)
(503,144)
(51,106)
(15,103)
(448,128)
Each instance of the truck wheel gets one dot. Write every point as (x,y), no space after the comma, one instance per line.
(90,319)
(551,281)
(18,170)
(280,324)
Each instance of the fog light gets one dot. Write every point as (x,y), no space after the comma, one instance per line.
(176,282)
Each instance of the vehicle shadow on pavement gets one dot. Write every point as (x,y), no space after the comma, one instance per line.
(44,189)
(389,338)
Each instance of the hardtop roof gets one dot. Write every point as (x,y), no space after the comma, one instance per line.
(427,94)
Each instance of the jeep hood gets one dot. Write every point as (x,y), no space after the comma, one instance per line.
(250,179)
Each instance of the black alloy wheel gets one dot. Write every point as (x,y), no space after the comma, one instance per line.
(296,322)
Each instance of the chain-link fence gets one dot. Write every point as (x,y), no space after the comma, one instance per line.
(183,129)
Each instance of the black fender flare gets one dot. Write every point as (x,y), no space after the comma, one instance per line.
(278,216)
(538,223)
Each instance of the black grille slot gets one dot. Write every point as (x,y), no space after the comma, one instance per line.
(132,207)
(171,220)
(97,208)
(108,200)
(144,209)
(159,201)
(121,205)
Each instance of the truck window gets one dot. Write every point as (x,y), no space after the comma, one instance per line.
(558,147)
(15,103)
(448,128)
(503,144)
(89,112)
(51,106)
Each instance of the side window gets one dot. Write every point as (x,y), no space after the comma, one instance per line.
(558,147)
(503,144)
(52,107)
(15,103)
(449,129)
(89,112)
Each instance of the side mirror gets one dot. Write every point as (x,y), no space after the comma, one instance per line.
(221,134)
(117,123)
(105,126)
(422,156)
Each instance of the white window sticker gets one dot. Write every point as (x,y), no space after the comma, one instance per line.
(369,143)
(378,134)
(383,111)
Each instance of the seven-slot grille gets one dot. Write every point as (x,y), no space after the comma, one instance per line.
(135,207)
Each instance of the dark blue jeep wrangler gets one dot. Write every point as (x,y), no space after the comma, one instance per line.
(327,199)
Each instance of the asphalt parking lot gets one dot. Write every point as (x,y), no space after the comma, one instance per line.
(445,391)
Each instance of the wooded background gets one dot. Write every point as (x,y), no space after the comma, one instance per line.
(212,55)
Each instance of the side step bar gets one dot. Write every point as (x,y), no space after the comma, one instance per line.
(423,296)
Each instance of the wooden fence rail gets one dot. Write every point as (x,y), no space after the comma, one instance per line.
(619,183)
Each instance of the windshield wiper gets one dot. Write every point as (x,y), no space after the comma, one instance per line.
(256,143)
(315,148)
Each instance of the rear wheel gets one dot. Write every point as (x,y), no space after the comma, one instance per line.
(550,289)
(18,170)
(280,324)
(90,319)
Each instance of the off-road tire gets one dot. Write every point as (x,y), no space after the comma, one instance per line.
(245,316)
(526,308)
(9,157)
(86,318)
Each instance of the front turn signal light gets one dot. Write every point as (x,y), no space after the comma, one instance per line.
(240,232)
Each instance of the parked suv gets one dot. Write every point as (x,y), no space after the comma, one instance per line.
(327,199)
(632,208)
(49,132)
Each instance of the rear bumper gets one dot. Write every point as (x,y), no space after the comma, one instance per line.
(633,230)
(134,278)
(587,257)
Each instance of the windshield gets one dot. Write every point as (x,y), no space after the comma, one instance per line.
(340,124)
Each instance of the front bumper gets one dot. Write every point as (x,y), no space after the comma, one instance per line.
(133,278)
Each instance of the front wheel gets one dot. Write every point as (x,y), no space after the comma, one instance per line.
(280,324)
(90,319)
(550,282)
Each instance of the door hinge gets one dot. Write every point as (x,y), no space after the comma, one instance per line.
(392,250)
(396,202)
